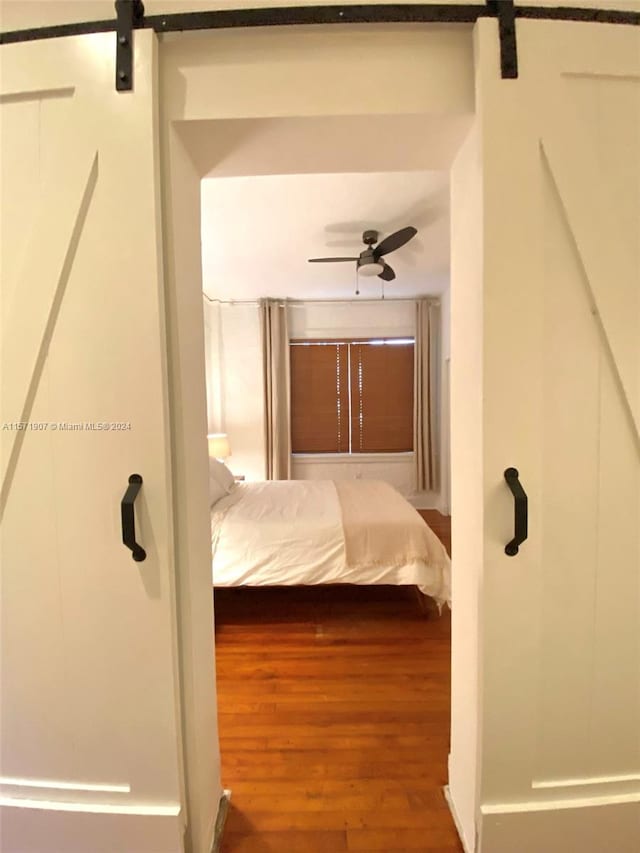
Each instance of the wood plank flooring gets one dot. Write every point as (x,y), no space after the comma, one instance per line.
(440,524)
(334,718)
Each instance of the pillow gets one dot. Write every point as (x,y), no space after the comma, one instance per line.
(216,491)
(219,471)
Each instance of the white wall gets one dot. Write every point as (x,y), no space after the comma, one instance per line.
(466,477)
(235,387)
(352,319)
(397,469)
(212,357)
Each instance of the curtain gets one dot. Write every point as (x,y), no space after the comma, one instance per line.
(426,408)
(277,388)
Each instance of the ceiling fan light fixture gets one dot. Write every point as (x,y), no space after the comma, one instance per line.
(370,269)
(368,263)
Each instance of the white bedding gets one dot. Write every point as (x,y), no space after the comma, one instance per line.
(278,532)
(291,532)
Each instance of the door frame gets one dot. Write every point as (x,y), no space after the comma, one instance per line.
(182,176)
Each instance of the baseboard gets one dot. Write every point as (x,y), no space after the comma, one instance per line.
(31,826)
(425,500)
(223,811)
(595,824)
(456,819)
(429,500)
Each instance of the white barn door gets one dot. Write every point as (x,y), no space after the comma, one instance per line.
(560,622)
(90,751)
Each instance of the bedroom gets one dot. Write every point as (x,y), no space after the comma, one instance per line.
(257,233)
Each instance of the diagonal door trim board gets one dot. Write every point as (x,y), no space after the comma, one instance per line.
(593,302)
(66,199)
(574,170)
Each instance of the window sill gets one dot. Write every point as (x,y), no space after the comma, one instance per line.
(353,458)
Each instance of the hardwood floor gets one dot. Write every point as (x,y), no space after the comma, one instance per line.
(334,719)
(440,524)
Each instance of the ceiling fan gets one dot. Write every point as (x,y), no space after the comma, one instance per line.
(369,261)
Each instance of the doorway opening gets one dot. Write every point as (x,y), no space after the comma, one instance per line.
(264,194)
(333,700)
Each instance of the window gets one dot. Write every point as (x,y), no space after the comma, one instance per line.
(352,396)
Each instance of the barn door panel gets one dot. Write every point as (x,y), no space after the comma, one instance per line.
(561,654)
(91,732)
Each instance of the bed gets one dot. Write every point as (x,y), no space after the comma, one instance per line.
(282,533)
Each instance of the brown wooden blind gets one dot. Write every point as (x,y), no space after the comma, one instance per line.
(319,398)
(381,397)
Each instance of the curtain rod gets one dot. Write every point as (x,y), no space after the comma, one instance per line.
(300,303)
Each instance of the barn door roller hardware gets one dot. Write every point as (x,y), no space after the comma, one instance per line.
(128,14)
(506,14)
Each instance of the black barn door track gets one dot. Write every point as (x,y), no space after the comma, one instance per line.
(130,17)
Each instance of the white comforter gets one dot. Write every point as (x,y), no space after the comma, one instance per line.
(291,532)
(278,532)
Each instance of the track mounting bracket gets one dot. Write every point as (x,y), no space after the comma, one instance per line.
(129,14)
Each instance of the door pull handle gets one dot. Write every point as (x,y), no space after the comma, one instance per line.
(129,520)
(521,512)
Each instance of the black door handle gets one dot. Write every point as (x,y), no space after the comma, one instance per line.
(521,519)
(129,520)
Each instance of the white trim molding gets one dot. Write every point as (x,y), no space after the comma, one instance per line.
(556,826)
(32,826)
(456,819)
(60,785)
(170,810)
(555,805)
(623,779)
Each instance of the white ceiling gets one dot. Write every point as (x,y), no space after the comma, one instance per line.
(280,191)
(258,232)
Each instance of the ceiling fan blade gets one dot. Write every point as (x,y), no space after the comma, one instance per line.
(329,260)
(394,241)
(387,273)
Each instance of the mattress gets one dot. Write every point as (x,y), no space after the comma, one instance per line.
(288,532)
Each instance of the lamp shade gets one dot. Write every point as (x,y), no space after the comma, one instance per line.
(219,445)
